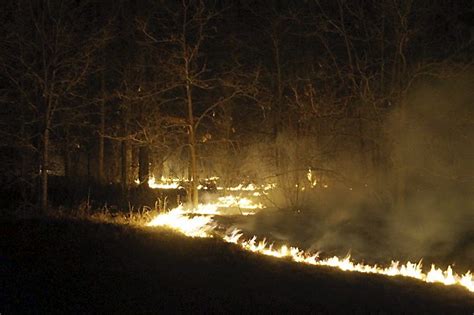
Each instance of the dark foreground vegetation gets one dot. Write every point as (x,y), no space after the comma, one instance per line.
(78,266)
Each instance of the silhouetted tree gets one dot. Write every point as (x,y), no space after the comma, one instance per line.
(46,59)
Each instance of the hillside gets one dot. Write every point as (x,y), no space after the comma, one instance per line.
(73,266)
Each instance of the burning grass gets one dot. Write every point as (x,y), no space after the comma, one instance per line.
(201,222)
(80,266)
(185,221)
(221,251)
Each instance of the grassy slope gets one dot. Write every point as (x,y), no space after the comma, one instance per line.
(68,266)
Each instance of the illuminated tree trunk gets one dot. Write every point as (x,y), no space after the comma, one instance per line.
(45,159)
(124,164)
(67,164)
(192,147)
(143,163)
(124,149)
(188,55)
(100,171)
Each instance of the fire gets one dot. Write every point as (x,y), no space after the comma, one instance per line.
(312,181)
(178,219)
(199,223)
(245,205)
(250,188)
(174,183)
(163,183)
(239,202)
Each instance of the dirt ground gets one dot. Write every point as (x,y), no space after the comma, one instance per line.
(72,266)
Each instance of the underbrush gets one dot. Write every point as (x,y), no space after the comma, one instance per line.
(135,217)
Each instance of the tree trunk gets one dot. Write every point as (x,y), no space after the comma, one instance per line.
(45,160)
(25,168)
(124,149)
(124,164)
(192,149)
(66,154)
(143,164)
(100,171)
(67,164)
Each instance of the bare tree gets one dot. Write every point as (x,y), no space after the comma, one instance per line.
(47,58)
(183,35)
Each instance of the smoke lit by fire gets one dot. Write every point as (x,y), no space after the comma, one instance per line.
(200,223)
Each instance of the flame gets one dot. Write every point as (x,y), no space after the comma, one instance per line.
(178,219)
(312,181)
(164,183)
(249,187)
(175,182)
(199,223)
(240,202)
(412,270)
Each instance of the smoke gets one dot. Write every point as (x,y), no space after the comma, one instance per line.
(430,210)
(433,151)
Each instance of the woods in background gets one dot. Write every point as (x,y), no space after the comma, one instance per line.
(363,93)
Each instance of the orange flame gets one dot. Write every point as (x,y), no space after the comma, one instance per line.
(200,223)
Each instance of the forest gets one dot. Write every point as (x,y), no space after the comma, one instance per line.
(371,96)
(340,134)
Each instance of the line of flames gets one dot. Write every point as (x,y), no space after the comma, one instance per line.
(175,182)
(200,223)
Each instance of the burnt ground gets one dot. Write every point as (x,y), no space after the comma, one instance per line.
(71,266)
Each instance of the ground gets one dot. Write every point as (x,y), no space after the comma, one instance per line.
(78,266)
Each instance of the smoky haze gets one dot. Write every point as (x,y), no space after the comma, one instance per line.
(432,154)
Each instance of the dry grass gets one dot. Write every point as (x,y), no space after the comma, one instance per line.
(89,265)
